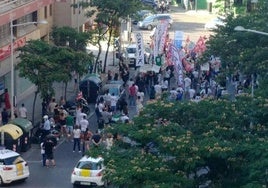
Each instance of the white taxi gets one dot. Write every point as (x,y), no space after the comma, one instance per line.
(88,171)
(12,167)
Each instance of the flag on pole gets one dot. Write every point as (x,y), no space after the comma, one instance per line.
(140,49)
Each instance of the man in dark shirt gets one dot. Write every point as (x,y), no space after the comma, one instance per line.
(96,139)
(49,146)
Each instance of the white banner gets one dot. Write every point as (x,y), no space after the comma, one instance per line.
(140,50)
(178,38)
(175,59)
(160,38)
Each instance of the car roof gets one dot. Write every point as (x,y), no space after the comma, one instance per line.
(6,153)
(91,159)
(132,46)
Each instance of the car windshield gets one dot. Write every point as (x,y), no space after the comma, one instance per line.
(149,18)
(88,165)
(114,90)
(13,160)
(131,50)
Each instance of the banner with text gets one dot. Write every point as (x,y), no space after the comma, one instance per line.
(140,49)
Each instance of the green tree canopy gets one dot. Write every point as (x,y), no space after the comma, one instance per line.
(189,136)
(238,50)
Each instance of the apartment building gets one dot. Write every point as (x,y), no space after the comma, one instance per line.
(22,13)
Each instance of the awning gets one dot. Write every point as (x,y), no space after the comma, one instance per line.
(13,130)
(24,124)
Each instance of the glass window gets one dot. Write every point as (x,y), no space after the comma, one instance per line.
(4,33)
(88,165)
(13,160)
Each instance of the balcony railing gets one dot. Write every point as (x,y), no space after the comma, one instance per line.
(7,5)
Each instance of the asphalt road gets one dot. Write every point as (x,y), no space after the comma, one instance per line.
(191,23)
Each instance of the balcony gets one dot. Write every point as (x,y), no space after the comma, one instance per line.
(8,5)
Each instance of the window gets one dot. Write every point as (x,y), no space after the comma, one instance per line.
(45,12)
(4,33)
(74,7)
(50,10)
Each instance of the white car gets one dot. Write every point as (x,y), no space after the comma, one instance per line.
(130,54)
(88,171)
(12,167)
(214,23)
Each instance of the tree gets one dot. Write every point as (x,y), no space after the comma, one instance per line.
(72,56)
(108,14)
(38,66)
(242,51)
(187,137)
(43,63)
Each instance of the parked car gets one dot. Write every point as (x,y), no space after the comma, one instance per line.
(151,3)
(214,23)
(151,22)
(115,87)
(12,167)
(88,171)
(130,54)
(140,15)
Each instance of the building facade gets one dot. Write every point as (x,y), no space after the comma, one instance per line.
(22,13)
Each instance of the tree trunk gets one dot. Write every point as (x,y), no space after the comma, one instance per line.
(65,90)
(98,56)
(34,101)
(107,50)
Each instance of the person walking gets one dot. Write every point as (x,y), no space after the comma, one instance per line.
(49,152)
(87,140)
(132,94)
(46,126)
(76,137)
(84,124)
(23,111)
(69,126)
(96,139)
(43,154)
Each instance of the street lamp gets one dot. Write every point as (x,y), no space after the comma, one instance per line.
(12,58)
(240,28)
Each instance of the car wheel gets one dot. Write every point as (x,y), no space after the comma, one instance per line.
(149,27)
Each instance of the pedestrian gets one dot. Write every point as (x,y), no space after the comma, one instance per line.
(152,93)
(62,123)
(7,101)
(52,105)
(109,141)
(132,94)
(42,146)
(96,139)
(49,152)
(62,102)
(78,116)
(76,137)
(114,100)
(46,126)
(106,116)
(5,116)
(23,111)
(139,105)
(69,126)
(84,124)
(87,140)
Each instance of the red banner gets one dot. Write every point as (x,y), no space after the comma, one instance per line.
(6,50)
